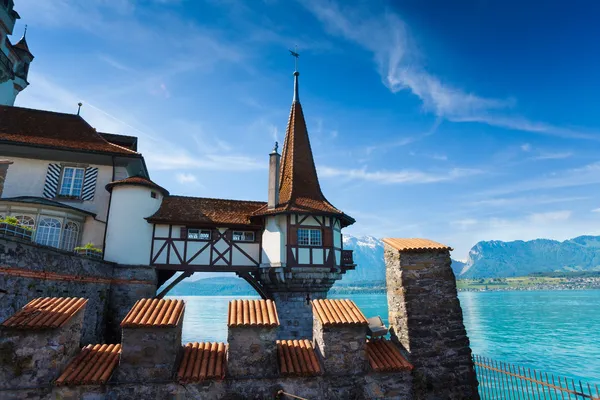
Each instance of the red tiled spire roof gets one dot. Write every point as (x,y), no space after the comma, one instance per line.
(299,188)
(22,44)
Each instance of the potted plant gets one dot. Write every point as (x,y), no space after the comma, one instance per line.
(9,226)
(89,251)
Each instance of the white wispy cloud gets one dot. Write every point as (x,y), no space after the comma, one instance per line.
(550,216)
(553,156)
(185,178)
(397,177)
(521,201)
(596,210)
(387,37)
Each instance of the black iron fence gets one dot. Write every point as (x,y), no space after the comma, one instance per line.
(500,380)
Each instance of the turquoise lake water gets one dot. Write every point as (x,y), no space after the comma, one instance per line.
(552,331)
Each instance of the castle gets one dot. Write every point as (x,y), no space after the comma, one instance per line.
(65,184)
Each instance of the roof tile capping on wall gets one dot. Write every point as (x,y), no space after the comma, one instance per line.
(415,244)
(385,356)
(252,313)
(202,361)
(297,358)
(94,365)
(46,312)
(156,313)
(338,312)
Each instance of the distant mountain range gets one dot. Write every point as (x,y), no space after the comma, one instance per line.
(487,259)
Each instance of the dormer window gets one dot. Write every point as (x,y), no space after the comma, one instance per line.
(72,182)
(309,237)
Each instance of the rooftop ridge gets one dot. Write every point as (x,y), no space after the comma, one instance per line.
(297,358)
(252,313)
(414,244)
(338,312)
(92,366)
(215,198)
(45,313)
(201,361)
(154,313)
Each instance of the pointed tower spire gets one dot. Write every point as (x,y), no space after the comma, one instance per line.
(299,189)
(296,74)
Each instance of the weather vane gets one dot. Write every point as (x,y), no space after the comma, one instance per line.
(295,54)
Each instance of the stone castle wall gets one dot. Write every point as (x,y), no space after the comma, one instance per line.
(29,270)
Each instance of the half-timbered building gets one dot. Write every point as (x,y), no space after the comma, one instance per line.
(288,248)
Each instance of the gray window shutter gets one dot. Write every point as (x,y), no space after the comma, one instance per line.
(89,183)
(52,180)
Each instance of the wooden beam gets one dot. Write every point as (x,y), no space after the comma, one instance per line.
(171,285)
(206,268)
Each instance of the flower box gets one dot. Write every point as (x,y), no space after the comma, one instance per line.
(91,253)
(20,232)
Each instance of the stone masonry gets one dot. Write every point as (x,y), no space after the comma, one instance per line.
(30,358)
(426,319)
(342,348)
(252,351)
(29,270)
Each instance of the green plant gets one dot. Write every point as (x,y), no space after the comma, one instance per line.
(89,246)
(15,222)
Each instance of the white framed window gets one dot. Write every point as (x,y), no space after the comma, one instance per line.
(70,235)
(72,182)
(200,234)
(26,221)
(48,231)
(309,237)
(243,236)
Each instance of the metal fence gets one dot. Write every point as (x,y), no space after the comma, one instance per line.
(500,380)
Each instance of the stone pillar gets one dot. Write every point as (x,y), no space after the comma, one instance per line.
(35,346)
(251,335)
(151,341)
(4,164)
(295,313)
(426,319)
(340,336)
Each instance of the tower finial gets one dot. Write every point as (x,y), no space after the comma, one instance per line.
(25,31)
(79,108)
(295,54)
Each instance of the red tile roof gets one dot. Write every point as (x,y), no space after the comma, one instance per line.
(47,312)
(385,356)
(297,358)
(415,244)
(39,128)
(22,45)
(137,181)
(338,312)
(92,366)
(299,189)
(154,313)
(200,210)
(252,313)
(202,361)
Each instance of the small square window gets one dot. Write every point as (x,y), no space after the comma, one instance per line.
(243,236)
(309,237)
(153,194)
(199,234)
(72,182)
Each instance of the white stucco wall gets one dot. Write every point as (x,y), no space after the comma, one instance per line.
(274,240)
(129,235)
(27,177)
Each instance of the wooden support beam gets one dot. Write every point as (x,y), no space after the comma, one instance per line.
(171,285)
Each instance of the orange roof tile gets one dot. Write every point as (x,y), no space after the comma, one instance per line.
(139,181)
(201,210)
(338,312)
(47,312)
(299,189)
(297,358)
(156,313)
(202,361)
(252,313)
(40,128)
(415,244)
(385,356)
(92,366)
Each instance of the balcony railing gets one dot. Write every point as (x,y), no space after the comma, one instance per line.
(347,259)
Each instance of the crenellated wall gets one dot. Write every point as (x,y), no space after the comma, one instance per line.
(29,270)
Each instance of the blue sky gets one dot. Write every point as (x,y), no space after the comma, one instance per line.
(459,123)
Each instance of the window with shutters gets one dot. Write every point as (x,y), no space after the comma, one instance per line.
(48,232)
(72,182)
(309,237)
(69,236)
(200,234)
(242,236)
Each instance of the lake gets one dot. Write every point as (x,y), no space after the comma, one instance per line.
(553,331)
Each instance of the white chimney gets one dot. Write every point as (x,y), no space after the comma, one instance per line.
(274,158)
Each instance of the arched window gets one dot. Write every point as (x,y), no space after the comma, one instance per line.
(69,236)
(26,220)
(48,232)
